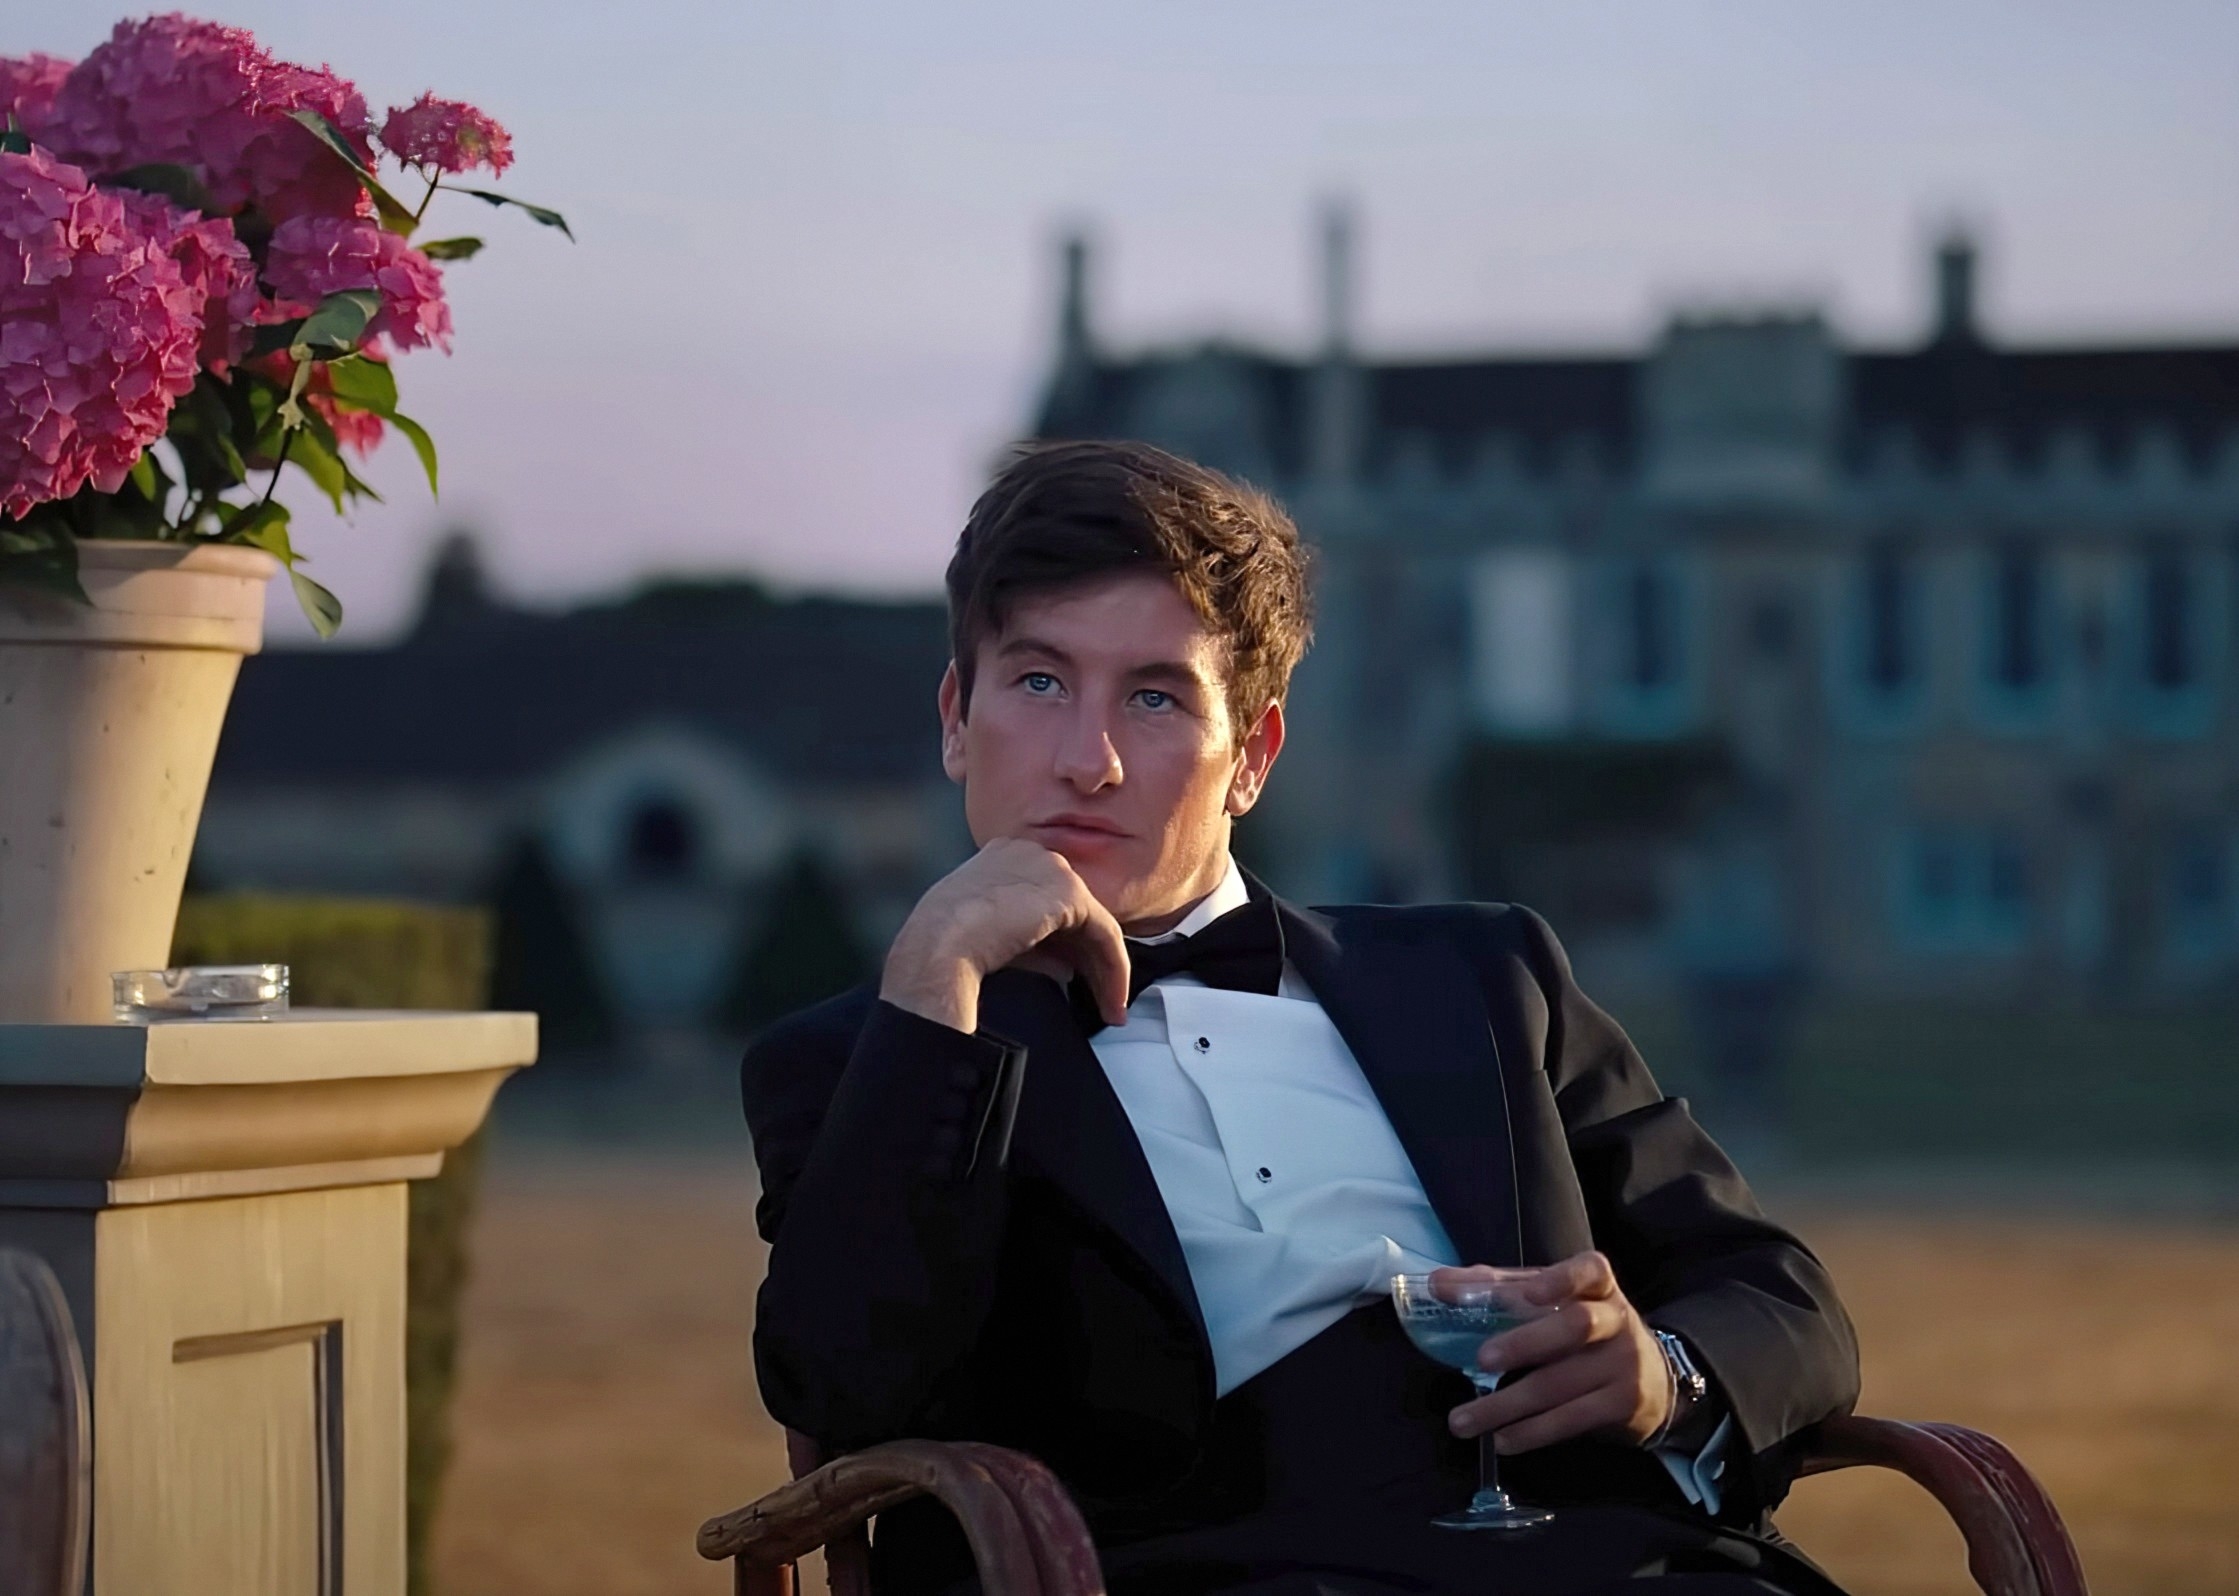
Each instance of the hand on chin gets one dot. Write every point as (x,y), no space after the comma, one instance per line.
(1096,859)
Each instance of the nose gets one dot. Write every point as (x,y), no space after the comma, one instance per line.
(1087,760)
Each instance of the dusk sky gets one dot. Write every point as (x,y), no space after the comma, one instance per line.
(815,282)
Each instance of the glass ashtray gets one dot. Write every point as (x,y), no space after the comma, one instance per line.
(200,992)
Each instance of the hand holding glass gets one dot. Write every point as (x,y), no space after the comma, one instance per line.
(1449,1321)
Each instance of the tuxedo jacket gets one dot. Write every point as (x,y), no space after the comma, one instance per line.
(967,1242)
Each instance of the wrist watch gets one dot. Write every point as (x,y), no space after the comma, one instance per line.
(1688,1386)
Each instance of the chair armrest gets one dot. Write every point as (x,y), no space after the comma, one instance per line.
(1064,1551)
(45,1457)
(1026,1536)
(2016,1542)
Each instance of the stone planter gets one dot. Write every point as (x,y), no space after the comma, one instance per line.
(109,719)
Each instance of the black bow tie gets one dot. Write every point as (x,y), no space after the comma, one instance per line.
(1242,951)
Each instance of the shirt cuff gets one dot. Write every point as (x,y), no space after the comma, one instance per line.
(1697,1477)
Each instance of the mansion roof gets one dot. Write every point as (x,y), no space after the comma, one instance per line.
(813,692)
(1939,397)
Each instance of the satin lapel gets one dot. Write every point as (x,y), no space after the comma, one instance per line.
(1072,1131)
(1414,1015)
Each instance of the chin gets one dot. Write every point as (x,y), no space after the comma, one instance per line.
(1116,886)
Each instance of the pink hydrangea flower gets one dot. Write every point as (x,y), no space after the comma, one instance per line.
(313,256)
(98,334)
(27,87)
(174,90)
(356,430)
(449,135)
(215,265)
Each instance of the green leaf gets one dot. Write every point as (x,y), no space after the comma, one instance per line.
(363,384)
(327,448)
(262,525)
(451,248)
(320,460)
(548,217)
(337,326)
(175,183)
(15,142)
(46,559)
(422,445)
(369,385)
(396,216)
(321,608)
(202,431)
(143,474)
(273,337)
(355,486)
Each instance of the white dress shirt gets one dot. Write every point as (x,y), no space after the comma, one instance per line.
(1289,1190)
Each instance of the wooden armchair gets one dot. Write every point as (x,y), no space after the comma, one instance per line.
(1029,1539)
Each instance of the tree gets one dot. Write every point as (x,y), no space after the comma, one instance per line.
(804,946)
(541,960)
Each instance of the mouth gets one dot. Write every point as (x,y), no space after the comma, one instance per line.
(1077,830)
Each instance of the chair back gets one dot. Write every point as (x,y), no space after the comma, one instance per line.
(45,1453)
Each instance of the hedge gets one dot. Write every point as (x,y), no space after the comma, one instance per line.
(355,953)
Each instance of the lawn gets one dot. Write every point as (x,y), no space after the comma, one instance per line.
(606,1404)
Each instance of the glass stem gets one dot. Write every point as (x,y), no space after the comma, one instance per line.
(1488,1461)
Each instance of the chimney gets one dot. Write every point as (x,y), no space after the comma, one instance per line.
(1073,340)
(1069,402)
(1337,280)
(456,596)
(1338,404)
(1955,290)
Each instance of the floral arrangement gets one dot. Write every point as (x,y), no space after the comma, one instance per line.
(204,282)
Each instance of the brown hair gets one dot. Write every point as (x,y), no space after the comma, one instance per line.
(1061,513)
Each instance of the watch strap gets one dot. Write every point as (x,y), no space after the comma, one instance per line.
(1688,1385)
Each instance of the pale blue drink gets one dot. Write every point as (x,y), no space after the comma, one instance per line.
(1452,1334)
(1449,1319)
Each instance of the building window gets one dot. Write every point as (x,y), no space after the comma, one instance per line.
(2172,645)
(1771,628)
(1964,889)
(1520,640)
(1937,876)
(1650,648)
(660,841)
(2005,880)
(2018,612)
(1890,644)
(2203,909)
(1643,647)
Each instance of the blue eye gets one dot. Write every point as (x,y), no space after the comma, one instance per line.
(1038,681)
(1153,698)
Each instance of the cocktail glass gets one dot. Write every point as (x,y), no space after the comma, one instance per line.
(1448,1321)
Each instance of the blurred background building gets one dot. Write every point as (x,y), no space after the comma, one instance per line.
(1751,658)
(1763,665)
(646,789)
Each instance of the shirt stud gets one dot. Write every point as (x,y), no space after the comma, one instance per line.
(1205,1044)
(1265,1174)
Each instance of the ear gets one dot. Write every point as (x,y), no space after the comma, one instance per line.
(951,700)
(1255,759)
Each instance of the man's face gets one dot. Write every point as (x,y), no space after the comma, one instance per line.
(1099,728)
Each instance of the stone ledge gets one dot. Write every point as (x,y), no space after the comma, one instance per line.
(302,1045)
(202,1185)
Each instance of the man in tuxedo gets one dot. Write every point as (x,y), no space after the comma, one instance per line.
(1117,1162)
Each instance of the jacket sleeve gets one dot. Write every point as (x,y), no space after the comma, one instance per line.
(882,1156)
(1692,1249)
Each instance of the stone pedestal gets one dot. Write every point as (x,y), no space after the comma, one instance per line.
(225,1206)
